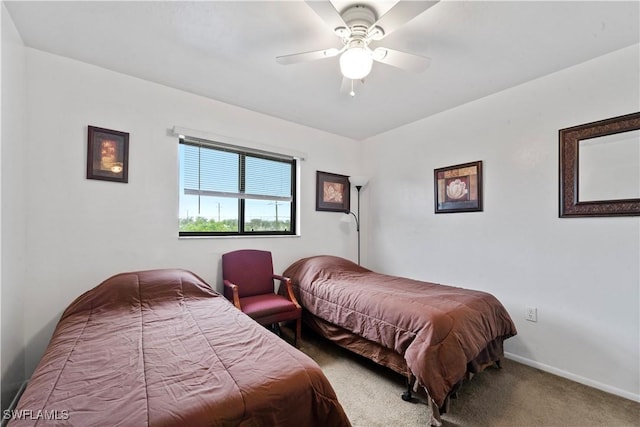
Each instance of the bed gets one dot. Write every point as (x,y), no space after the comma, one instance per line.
(435,335)
(161,348)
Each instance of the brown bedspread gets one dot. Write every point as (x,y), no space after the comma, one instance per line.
(438,329)
(160,348)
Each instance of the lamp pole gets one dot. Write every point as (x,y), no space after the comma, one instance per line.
(358,182)
(358,187)
(357,230)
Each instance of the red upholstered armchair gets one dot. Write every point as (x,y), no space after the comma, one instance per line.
(248,282)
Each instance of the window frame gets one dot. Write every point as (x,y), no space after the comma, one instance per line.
(243,152)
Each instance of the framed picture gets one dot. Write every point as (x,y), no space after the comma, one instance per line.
(107,155)
(458,188)
(332,192)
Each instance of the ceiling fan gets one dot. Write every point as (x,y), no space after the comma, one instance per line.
(357,26)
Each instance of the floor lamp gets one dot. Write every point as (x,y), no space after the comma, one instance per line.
(358,182)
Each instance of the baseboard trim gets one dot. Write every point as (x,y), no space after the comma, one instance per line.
(13,404)
(573,377)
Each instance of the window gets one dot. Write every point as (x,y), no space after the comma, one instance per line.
(226,190)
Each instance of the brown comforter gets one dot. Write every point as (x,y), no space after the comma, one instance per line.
(438,329)
(160,348)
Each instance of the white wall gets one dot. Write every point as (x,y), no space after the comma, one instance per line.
(12,228)
(82,231)
(582,273)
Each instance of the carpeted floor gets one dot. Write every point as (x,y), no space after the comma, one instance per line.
(516,395)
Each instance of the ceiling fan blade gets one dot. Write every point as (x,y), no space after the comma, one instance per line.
(325,10)
(296,58)
(400,14)
(406,61)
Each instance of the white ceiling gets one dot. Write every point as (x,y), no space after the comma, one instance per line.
(226,51)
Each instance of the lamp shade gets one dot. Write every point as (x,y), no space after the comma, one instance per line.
(355,63)
(358,181)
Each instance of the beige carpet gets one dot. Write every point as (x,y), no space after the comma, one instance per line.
(516,395)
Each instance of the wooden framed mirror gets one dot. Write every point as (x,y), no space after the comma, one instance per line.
(600,168)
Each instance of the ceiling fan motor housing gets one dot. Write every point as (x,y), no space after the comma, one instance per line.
(359,18)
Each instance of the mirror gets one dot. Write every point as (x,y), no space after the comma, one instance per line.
(600,168)
(609,167)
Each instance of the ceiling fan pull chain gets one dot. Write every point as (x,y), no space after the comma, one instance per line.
(352,93)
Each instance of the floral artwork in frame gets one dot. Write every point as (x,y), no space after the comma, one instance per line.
(332,192)
(458,188)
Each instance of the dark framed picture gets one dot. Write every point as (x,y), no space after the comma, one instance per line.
(107,154)
(332,192)
(458,188)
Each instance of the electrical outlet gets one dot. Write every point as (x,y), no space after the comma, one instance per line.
(532,314)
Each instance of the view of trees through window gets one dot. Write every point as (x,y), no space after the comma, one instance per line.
(231,225)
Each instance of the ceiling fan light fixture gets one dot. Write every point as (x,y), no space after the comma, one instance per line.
(356,62)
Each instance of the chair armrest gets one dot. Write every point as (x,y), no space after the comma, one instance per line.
(231,290)
(289,287)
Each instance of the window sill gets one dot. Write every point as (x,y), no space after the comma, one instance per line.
(286,236)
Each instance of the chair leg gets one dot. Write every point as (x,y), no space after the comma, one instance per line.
(411,380)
